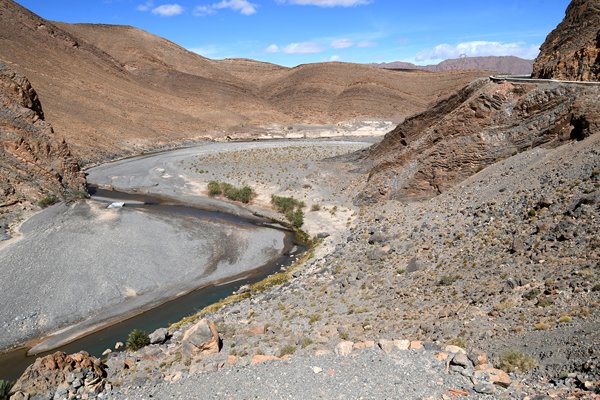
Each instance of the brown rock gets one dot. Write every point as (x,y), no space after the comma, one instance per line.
(478,357)
(454,349)
(572,50)
(416,345)
(366,344)
(47,373)
(231,360)
(493,375)
(386,345)
(261,358)
(402,344)
(441,356)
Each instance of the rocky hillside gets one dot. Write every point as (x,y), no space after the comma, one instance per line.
(35,164)
(572,50)
(501,64)
(483,123)
(117,89)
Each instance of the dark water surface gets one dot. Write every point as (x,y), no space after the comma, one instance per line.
(14,363)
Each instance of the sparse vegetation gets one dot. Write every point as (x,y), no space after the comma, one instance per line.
(458,341)
(137,339)
(315,207)
(287,349)
(515,361)
(48,201)
(447,280)
(5,387)
(243,194)
(291,208)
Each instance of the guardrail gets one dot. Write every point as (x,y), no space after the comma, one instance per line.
(529,79)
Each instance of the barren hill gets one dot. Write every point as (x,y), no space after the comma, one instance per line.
(502,64)
(572,50)
(114,89)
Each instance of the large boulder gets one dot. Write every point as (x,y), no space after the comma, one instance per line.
(60,374)
(202,338)
(572,50)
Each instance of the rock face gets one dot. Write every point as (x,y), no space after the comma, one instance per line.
(483,123)
(503,64)
(572,50)
(62,376)
(202,338)
(33,162)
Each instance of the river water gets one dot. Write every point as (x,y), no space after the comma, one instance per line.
(13,363)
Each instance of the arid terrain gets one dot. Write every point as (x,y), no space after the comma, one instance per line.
(456,257)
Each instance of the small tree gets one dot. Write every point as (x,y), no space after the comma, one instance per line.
(214,188)
(137,339)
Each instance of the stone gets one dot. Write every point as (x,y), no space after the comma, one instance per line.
(461,359)
(322,352)
(243,289)
(493,375)
(317,370)
(386,345)
(416,345)
(484,388)
(231,359)
(203,338)
(478,357)
(402,344)
(365,344)
(52,374)
(261,358)
(454,349)
(344,348)
(441,356)
(323,235)
(119,345)
(159,336)
(106,352)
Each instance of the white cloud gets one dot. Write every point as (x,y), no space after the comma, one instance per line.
(273,48)
(145,6)
(342,43)
(327,3)
(302,48)
(201,11)
(242,6)
(366,43)
(334,57)
(476,49)
(168,10)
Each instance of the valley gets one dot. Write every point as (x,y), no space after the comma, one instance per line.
(241,229)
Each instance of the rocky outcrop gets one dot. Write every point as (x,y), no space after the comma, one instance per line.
(482,124)
(34,163)
(61,376)
(572,50)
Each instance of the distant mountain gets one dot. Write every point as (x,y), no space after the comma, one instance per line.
(501,64)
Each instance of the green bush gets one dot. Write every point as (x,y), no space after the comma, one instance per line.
(287,349)
(5,387)
(214,188)
(48,201)
(515,361)
(243,194)
(291,208)
(137,339)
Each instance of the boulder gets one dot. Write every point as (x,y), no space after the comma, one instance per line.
(76,373)
(261,358)
(159,336)
(202,338)
(493,375)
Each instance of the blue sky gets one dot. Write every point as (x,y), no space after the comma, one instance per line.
(292,32)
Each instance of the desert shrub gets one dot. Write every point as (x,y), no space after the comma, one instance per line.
(458,341)
(243,194)
(287,349)
(447,280)
(315,207)
(137,339)
(48,201)
(214,188)
(291,208)
(5,387)
(515,361)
